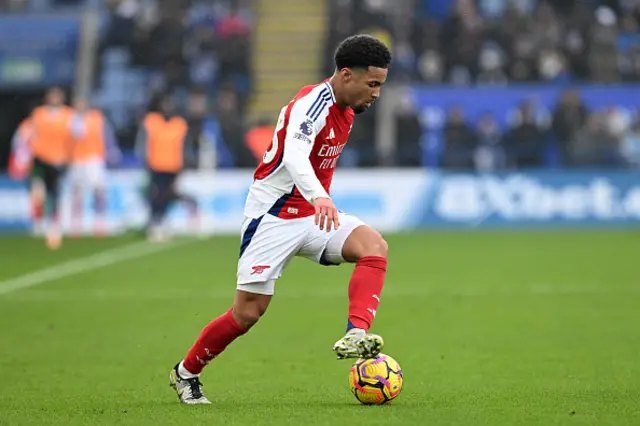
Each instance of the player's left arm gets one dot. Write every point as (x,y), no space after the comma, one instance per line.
(300,136)
(301,133)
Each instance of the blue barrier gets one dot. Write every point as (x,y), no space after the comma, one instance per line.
(524,200)
(390,200)
(14,206)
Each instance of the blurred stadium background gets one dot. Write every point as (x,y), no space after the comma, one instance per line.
(528,91)
(518,114)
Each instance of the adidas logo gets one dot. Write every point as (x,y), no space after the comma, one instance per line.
(332,135)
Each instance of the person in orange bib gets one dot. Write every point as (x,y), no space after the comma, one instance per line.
(258,139)
(161,141)
(93,146)
(50,146)
(21,164)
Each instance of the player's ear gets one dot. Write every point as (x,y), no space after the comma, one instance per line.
(347,74)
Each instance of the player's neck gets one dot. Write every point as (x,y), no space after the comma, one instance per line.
(333,82)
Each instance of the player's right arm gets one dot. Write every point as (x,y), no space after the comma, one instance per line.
(301,133)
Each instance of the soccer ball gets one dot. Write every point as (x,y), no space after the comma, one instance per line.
(376,381)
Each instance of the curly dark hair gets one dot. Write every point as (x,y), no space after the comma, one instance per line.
(362,51)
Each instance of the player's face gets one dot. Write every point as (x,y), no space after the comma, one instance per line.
(363,87)
(167,106)
(55,97)
(80,105)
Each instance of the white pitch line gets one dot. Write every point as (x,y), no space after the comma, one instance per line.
(85,264)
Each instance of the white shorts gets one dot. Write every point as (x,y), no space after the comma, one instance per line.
(92,175)
(269,243)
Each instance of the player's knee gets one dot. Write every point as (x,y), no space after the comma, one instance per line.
(365,242)
(247,316)
(248,312)
(377,247)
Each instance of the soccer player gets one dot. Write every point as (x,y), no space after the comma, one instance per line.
(161,141)
(50,146)
(289,213)
(93,145)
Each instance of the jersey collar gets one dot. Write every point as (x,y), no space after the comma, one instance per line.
(328,85)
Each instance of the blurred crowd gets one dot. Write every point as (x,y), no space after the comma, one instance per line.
(44,6)
(185,43)
(570,135)
(199,51)
(499,43)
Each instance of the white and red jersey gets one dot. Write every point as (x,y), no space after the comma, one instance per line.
(298,167)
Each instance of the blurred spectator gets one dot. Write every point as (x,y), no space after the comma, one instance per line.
(496,9)
(234,24)
(408,133)
(491,63)
(431,67)
(462,35)
(617,121)
(593,145)
(603,57)
(361,147)
(196,114)
(628,37)
(628,44)
(525,141)
(460,141)
(569,116)
(232,127)
(490,154)
(630,147)
(122,22)
(234,32)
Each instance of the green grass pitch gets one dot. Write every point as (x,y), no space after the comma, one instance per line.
(491,328)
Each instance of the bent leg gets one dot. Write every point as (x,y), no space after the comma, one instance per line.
(219,333)
(248,307)
(355,242)
(267,246)
(368,250)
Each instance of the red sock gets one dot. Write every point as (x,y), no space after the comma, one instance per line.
(365,288)
(213,339)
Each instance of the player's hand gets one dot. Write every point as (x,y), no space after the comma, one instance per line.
(326,214)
